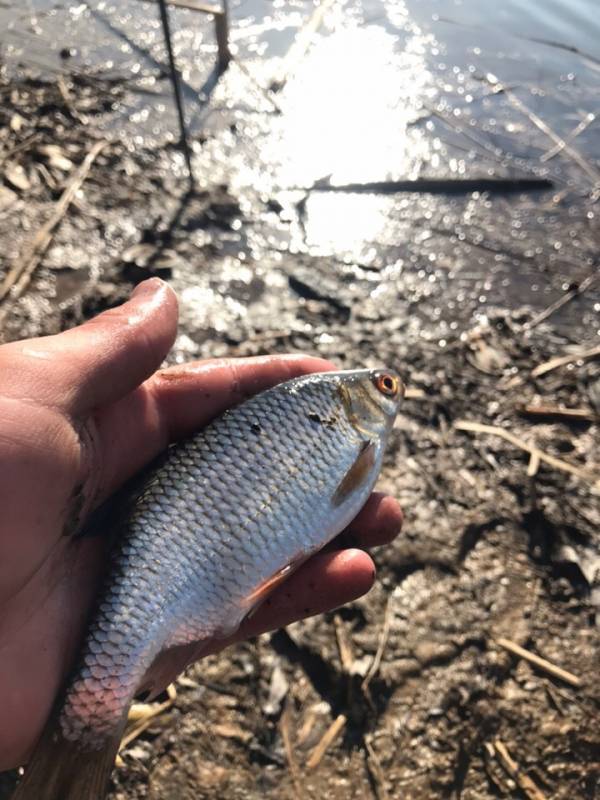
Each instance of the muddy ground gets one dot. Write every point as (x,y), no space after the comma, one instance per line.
(496,544)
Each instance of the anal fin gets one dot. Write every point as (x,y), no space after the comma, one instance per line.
(264,589)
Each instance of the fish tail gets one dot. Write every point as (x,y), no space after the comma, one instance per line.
(60,769)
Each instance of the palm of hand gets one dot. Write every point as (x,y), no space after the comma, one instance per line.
(77,420)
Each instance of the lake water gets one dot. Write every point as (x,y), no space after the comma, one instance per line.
(388,89)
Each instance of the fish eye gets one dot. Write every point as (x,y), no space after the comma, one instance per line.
(387,384)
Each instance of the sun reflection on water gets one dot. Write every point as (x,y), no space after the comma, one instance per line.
(347,116)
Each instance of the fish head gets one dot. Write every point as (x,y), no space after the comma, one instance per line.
(371,398)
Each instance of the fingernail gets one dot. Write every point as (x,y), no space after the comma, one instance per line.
(147,288)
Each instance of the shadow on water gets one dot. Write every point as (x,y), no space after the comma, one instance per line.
(189,92)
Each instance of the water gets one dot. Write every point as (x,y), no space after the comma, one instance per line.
(389,89)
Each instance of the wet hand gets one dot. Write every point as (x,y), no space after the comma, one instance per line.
(80,413)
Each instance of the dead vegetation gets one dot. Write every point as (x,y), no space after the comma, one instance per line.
(470,671)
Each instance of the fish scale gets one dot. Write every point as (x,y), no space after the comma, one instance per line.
(219,522)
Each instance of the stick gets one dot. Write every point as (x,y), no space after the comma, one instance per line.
(559,413)
(561,361)
(147,719)
(383,639)
(414,393)
(575,155)
(22,146)
(344,645)
(376,770)
(176,82)
(585,122)
(20,273)
(64,93)
(266,93)
(222,36)
(510,765)
(327,740)
(289,750)
(433,186)
(557,463)
(301,45)
(562,301)
(539,662)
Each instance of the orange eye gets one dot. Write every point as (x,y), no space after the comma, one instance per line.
(387,384)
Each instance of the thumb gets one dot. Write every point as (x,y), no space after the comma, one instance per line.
(103,359)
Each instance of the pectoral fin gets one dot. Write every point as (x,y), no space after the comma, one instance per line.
(357,474)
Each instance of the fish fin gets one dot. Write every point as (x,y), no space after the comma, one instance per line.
(181,649)
(167,666)
(61,770)
(258,595)
(264,589)
(357,473)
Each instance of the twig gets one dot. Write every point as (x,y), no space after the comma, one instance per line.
(67,100)
(177,93)
(327,740)
(562,301)
(284,725)
(344,645)
(301,45)
(414,393)
(533,466)
(19,147)
(375,769)
(432,185)
(490,755)
(559,413)
(20,273)
(562,361)
(146,716)
(512,768)
(383,639)
(266,93)
(575,155)
(557,463)
(577,130)
(539,662)
(561,46)
(547,42)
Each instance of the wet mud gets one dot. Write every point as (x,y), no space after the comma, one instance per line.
(471,294)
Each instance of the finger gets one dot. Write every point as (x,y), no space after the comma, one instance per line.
(179,401)
(103,359)
(189,396)
(379,522)
(326,581)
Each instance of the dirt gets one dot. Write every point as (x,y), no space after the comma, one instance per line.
(495,545)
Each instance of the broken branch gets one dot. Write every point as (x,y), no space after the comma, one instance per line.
(524,782)
(562,361)
(20,274)
(327,740)
(539,662)
(557,463)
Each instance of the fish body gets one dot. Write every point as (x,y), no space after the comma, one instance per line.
(226,516)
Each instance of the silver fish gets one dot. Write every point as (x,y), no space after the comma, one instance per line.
(227,516)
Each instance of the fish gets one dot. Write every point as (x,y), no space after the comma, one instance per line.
(209,532)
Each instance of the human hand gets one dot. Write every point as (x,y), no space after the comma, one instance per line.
(80,413)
